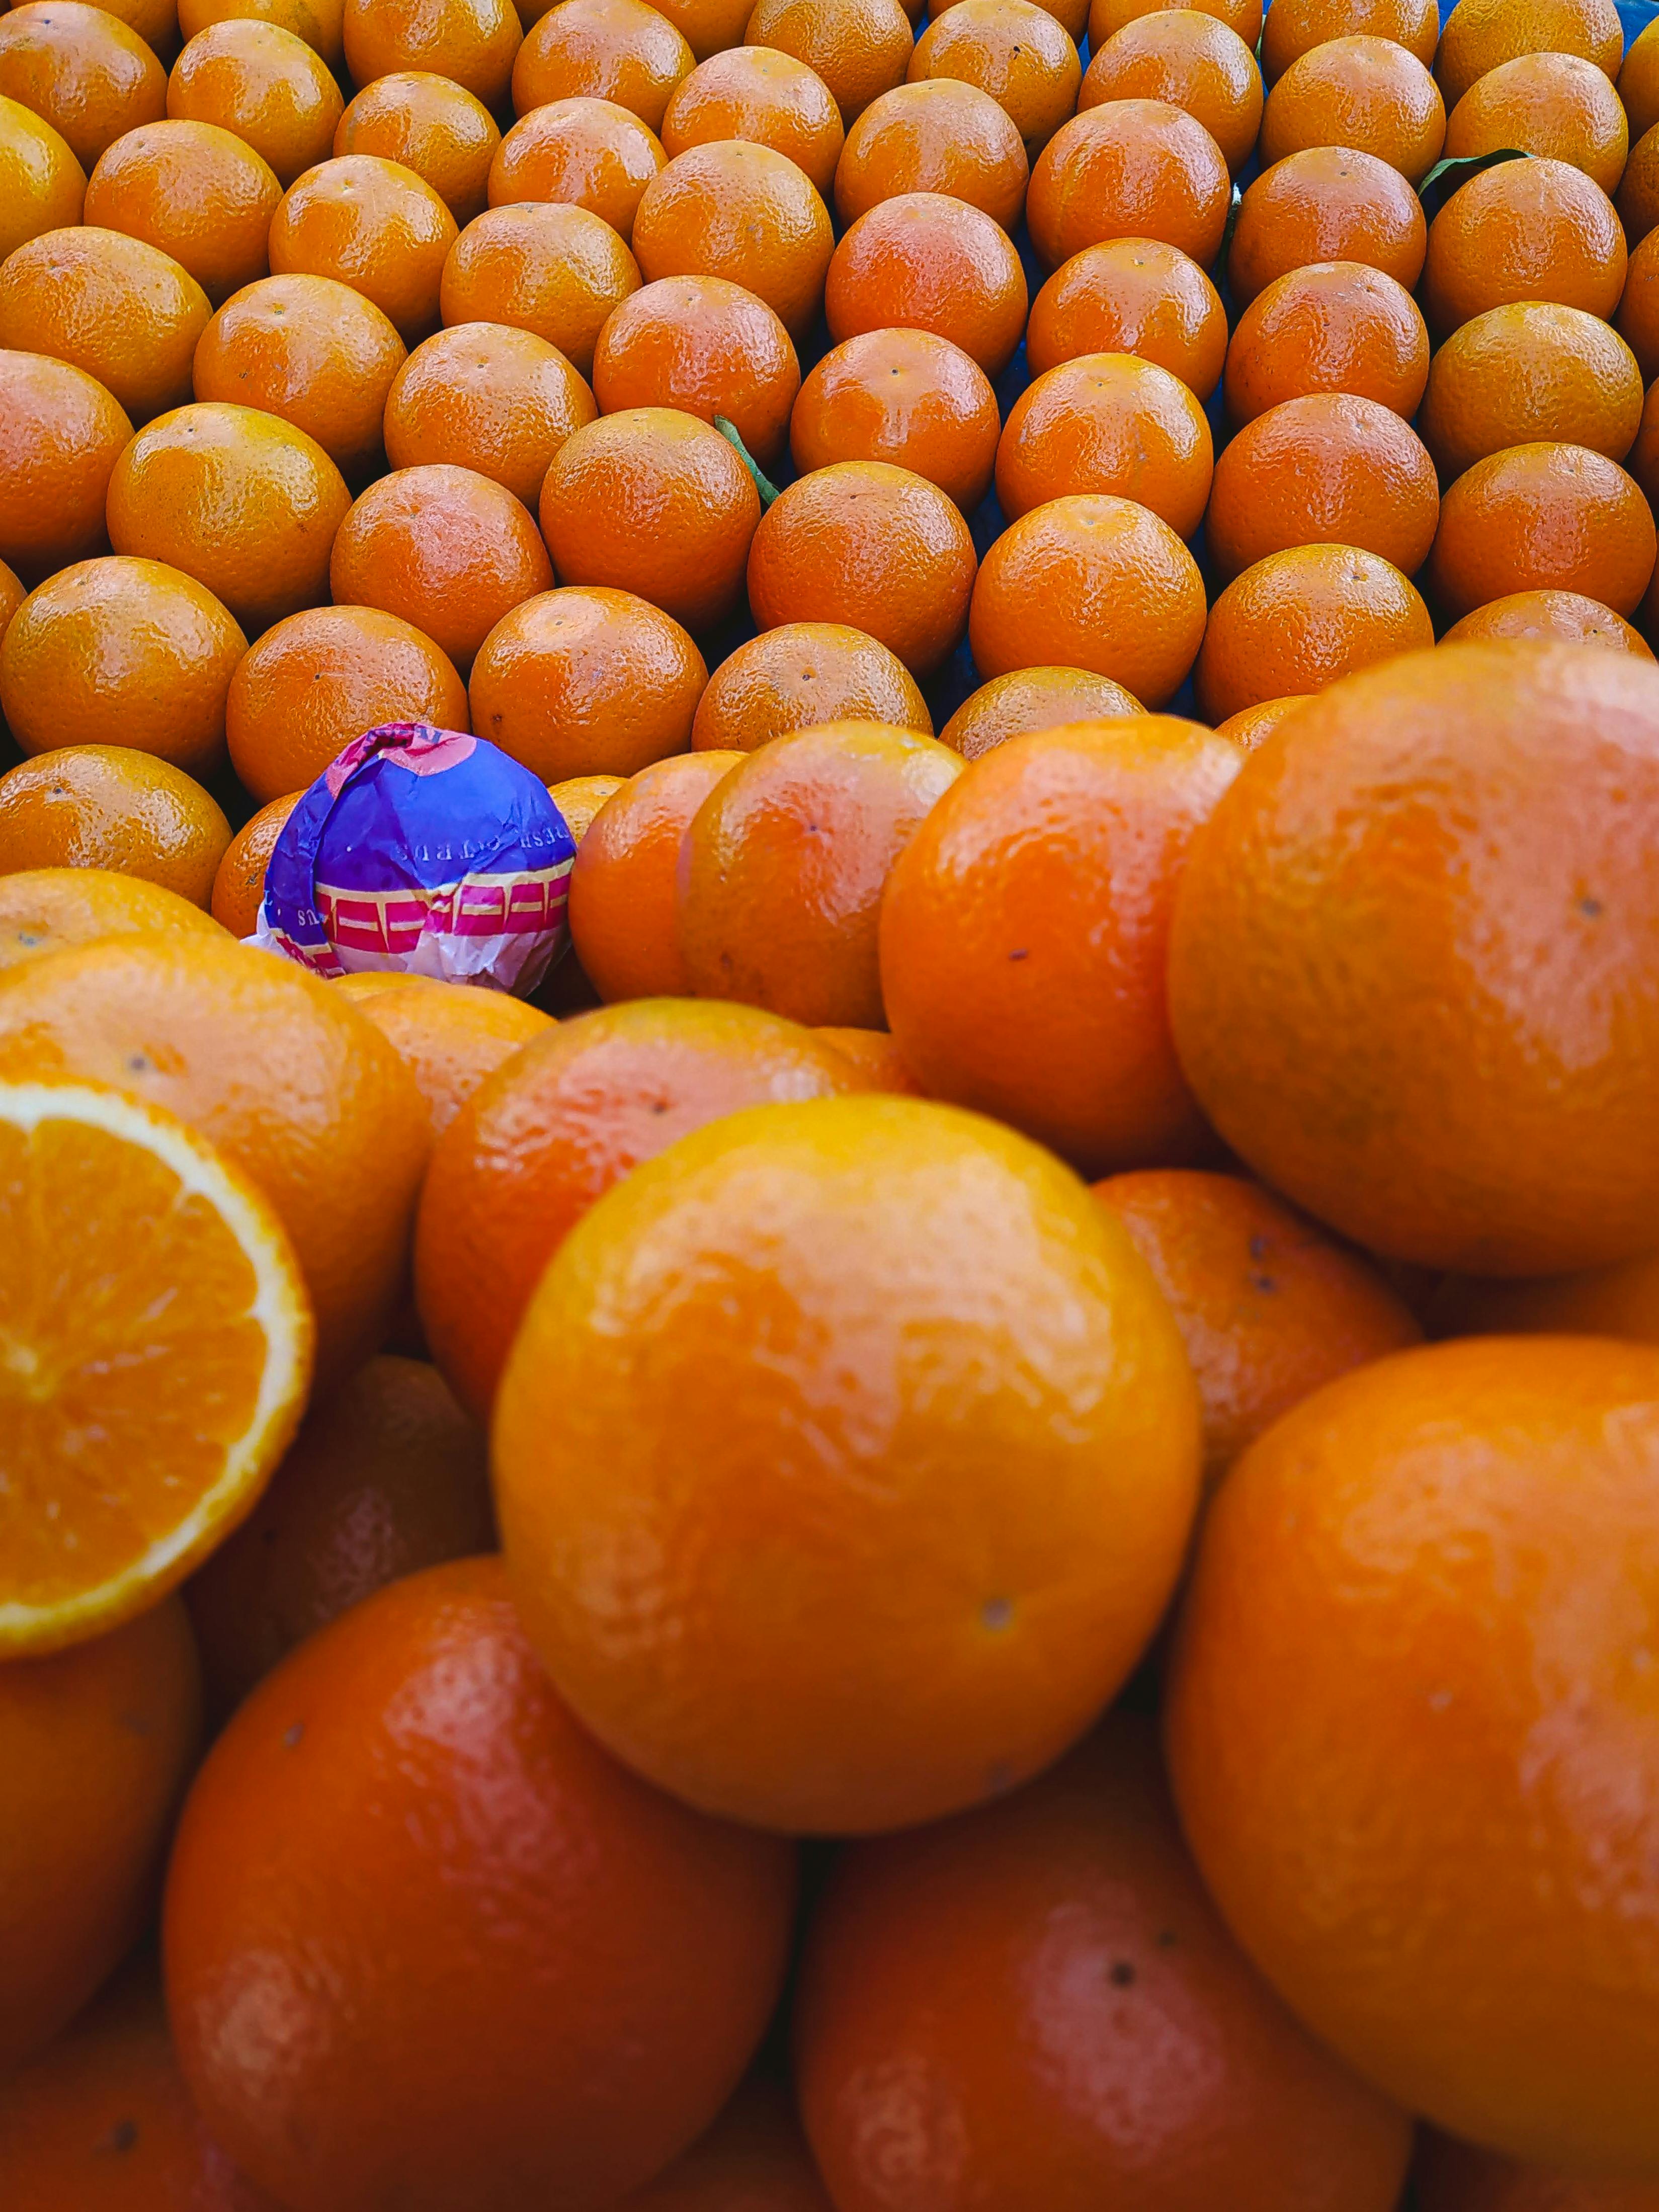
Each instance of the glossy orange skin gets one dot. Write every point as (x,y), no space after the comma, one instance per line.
(264,84)
(1326,470)
(112,807)
(1366,93)
(1638,308)
(1063,848)
(99,1741)
(1132,295)
(1327,204)
(1476,1953)
(1032,699)
(112,305)
(654,502)
(45,910)
(541,1141)
(1552,103)
(874,1057)
(1195,62)
(1091,581)
(1639,83)
(860,48)
(754,2158)
(44,186)
(1531,370)
(590,153)
(1249,726)
(1454,2176)
(580,798)
(239,883)
(313,684)
(487,1897)
(450,551)
(1070,2022)
(1568,616)
(374,225)
(1108,422)
(588,682)
(926,261)
(743,212)
(1105,16)
(1130,168)
(1525,230)
(449,1036)
(780,872)
(617,50)
(1300,619)
(622,889)
(474,43)
(194,190)
(875,547)
(1547,516)
(1017,51)
(310,351)
(905,397)
(12,596)
(549,268)
(1268,1306)
(319,22)
(1494,32)
(760,94)
(1637,196)
(1304,24)
(82,71)
(707,347)
(1335,326)
(936,135)
(485,397)
(798,675)
(431,125)
(61,435)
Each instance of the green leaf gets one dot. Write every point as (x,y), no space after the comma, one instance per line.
(768,490)
(1459,168)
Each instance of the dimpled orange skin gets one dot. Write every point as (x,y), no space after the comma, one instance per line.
(1485,1953)
(1193,62)
(475,43)
(1105,16)
(1525,230)
(860,48)
(319,22)
(1552,104)
(240,500)
(754,2158)
(43,910)
(1017,52)
(1251,725)
(1024,932)
(1108,422)
(551,269)
(780,873)
(1527,371)
(263,83)
(1132,295)
(1454,2177)
(239,884)
(1543,517)
(1091,582)
(1045,1985)
(84,72)
(1336,327)
(1638,83)
(374,225)
(905,397)
(1026,1468)
(121,652)
(580,798)
(450,1037)
(586,681)
(740,211)
(194,190)
(654,502)
(756,91)
(1300,619)
(1304,24)
(588,152)
(1637,196)
(111,305)
(488,398)
(1568,616)
(622,889)
(44,186)
(800,675)
(310,351)
(935,136)
(1327,204)
(541,1141)
(433,126)
(1032,699)
(112,807)
(706,346)
(618,49)
(481,1893)
(1131,168)
(1496,31)
(61,436)
(1369,93)
(926,261)
(1328,469)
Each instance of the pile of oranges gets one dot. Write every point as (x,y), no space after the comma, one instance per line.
(971,1523)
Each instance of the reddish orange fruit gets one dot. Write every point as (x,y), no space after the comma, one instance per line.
(1529,371)
(1250,726)
(112,807)
(239,883)
(1454,2177)
(1131,296)
(707,347)
(195,191)
(372,225)
(622,889)
(431,125)
(757,93)
(588,152)
(61,436)
(1548,517)
(1108,422)
(1568,616)
(1017,51)
(1525,230)
(1299,620)
(1328,469)
(1195,62)
(485,397)
(474,43)
(1131,168)
(264,84)
(801,675)
(1303,24)
(44,184)
(1367,93)
(874,1059)
(1032,699)
(449,1036)
(1335,326)
(926,261)
(742,212)
(905,397)
(936,135)
(310,351)
(82,71)
(754,2158)
(1327,204)
(616,50)
(1555,105)
(551,269)
(860,48)
(1495,31)
(128,315)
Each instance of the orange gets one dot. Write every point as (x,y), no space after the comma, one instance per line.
(112,807)
(1335,326)
(926,261)
(99,1742)
(1527,371)
(874,1059)
(1193,62)
(654,502)
(590,153)
(1518,1477)
(1268,1306)
(1108,422)
(1525,230)
(1045,1972)
(1016,51)
(622,890)
(754,2158)
(860,48)
(264,84)
(61,435)
(1327,203)
(310,351)
(1131,168)
(240,500)
(1032,699)
(1543,517)
(875,547)
(708,27)
(616,50)
(1301,618)
(580,798)
(449,1036)
(44,910)
(707,347)
(238,884)
(485,397)
(759,94)
(742,212)
(1638,309)
(905,397)
(1638,83)
(1064,846)
(1367,93)
(938,134)
(1566,614)
(319,22)
(195,192)
(128,315)
(1131,296)
(781,870)
(1106,16)
(1497,30)
(1302,25)
(586,683)
(1511,1144)
(798,675)
(1552,103)
(42,185)
(159,1346)
(313,683)
(555,271)
(1637,196)
(81,69)
(1615,1301)
(450,551)
(374,225)
(473,43)
(541,1139)
(1031,1505)
(1092,582)
(12,596)
(121,652)
(1328,469)
(1454,2176)
(429,125)
(552,1976)
(1250,726)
